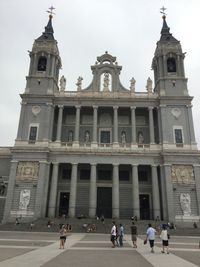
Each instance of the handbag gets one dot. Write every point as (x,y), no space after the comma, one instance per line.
(145,241)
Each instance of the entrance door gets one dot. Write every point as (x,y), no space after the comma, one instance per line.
(64,204)
(104,202)
(144,207)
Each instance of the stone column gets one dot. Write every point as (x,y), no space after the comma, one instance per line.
(133,126)
(10,190)
(46,187)
(155,192)
(191,125)
(48,122)
(48,64)
(73,189)
(53,66)
(77,125)
(94,141)
(169,192)
(135,192)
(164,123)
(151,126)
(21,122)
(163,193)
(40,196)
(59,126)
(53,191)
(165,65)
(93,191)
(197,181)
(115,126)
(115,192)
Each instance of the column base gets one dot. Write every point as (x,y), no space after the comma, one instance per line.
(94,144)
(75,144)
(115,145)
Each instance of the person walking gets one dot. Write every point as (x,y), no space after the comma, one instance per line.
(63,233)
(134,234)
(121,234)
(165,239)
(150,235)
(113,234)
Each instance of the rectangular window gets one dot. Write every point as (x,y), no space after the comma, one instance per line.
(33,134)
(105,137)
(178,136)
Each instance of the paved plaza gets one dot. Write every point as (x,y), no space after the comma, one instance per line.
(29,249)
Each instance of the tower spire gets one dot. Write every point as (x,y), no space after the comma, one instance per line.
(48,33)
(165,31)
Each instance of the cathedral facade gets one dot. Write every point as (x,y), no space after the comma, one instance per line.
(105,149)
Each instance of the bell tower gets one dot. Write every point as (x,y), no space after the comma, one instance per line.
(36,118)
(45,63)
(168,64)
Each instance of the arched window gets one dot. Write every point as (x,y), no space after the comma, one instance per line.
(42,63)
(171,64)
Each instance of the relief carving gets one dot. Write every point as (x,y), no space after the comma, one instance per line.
(176,112)
(182,174)
(36,110)
(27,170)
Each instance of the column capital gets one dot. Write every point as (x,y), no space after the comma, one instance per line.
(78,106)
(115,107)
(55,163)
(150,108)
(61,106)
(93,164)
(134,165)
(74,163)
(115,164)
(154,165)
(133,108)
(95,107)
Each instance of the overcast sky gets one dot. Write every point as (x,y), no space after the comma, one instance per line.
(85,29)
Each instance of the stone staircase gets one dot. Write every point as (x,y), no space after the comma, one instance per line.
(95,226)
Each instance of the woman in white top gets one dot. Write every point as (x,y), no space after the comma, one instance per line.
(165,237)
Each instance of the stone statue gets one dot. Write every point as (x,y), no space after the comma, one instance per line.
(185,204)
(132,85)
(106,82)
(87,137)
(123,138)
(79,83)
(25,195)
(149,85)
(140,138)
(62,83)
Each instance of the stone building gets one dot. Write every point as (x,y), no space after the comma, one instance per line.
(105,149)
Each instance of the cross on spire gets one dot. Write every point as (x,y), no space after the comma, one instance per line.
(51,11)
(162,10)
